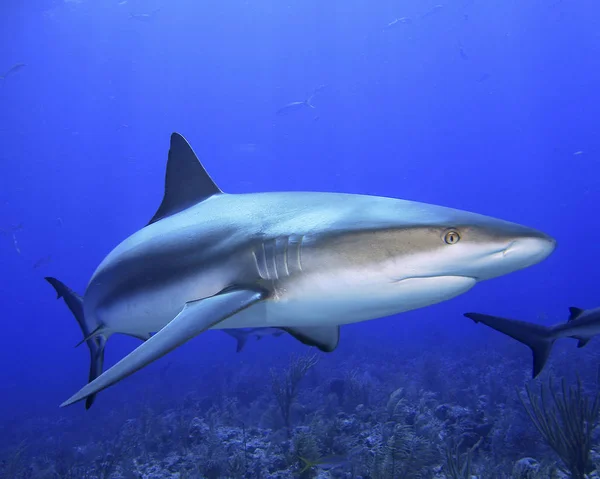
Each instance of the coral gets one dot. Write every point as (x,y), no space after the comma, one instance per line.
(567,424)
(285,385)
(459,466)
(406,454)
(526,468)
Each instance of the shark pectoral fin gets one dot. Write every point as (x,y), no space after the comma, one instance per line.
(195,318)
(326,338)
(99,331)
(186,181)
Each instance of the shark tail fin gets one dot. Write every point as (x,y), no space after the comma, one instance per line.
(307,464)
(240,336)
(95,341)
(539,338)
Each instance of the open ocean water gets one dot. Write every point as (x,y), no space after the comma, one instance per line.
(488,106)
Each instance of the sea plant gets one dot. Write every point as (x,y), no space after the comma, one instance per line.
(285,385)
(566,421)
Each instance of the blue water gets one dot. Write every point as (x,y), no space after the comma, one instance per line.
(490,107)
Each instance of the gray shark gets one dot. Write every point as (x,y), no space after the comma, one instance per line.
(307,262)
(242,335)
(582,325)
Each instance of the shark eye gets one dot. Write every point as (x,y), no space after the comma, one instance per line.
(451,237)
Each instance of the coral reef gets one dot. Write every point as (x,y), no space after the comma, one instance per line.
(384,413)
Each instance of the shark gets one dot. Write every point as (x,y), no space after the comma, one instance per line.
(308,262)
(582,325)
(242,335)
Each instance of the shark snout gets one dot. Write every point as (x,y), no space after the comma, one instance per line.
(521,249)
(529,250)
(512,247)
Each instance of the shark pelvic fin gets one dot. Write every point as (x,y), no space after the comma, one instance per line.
(99,331)
(326,338)
(195,318)
(575,313)
(581,341)
(186,180)
(95,341)
(539,338)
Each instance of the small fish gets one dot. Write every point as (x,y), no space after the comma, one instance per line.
(242,335)
(12,231)
(462,53)
(577,153)
(144,17)
(484,77)
(42,261)
(398,21)
(433,11)
(294,106)
(12,70)
(246,148)
(18,250)
(299,105)
(8,231)
(326,463)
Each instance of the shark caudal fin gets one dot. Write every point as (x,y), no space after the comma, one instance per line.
(95,342)
(240,336)
(539,338)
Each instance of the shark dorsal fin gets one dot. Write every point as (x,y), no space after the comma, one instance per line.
(575,313)
(186,181)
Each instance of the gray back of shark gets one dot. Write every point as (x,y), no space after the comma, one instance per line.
(305,262)
(583,325)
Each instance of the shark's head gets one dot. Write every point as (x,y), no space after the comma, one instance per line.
(466,245)
(404,255)
(487,249)
(409,255)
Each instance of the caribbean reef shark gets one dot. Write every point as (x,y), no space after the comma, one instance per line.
(302,261)
(242,335)
(582,325)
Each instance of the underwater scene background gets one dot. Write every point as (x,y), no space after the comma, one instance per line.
(485,106)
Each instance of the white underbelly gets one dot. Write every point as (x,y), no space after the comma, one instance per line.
(320,306)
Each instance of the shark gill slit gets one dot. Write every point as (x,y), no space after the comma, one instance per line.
(281,266)
(298,239)
(271,249)
(260,261)
(279,257)
(286,247)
